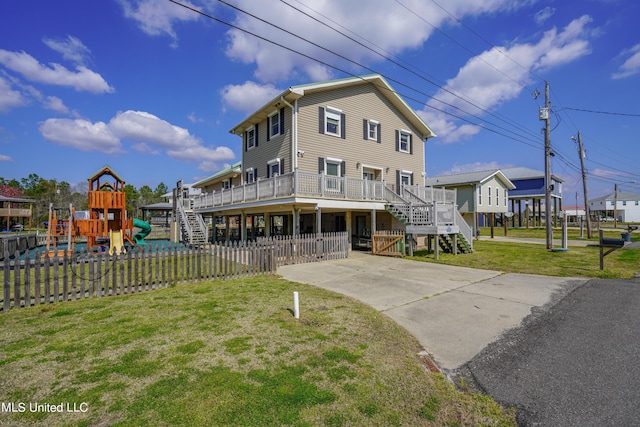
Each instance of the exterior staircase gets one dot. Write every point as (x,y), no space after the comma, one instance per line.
(431,218)
(193,230)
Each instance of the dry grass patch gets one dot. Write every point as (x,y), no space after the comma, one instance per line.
(225,353)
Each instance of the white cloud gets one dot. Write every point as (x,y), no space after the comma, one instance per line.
(54,103)
(150,130)
(9,98)
(194,119)
(248,96)
(631,65)
(476,167)
(81,134)
(384,25)
(71,48)
(148,134)
(5,158)
(143,147)
(83,79)
(499,75)
(542,15)
(144,127)
(157,17)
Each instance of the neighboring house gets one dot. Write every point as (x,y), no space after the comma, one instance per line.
(530,190)
(575,214)
(480,195)
(12,209)
(228,177)
(322,157)
(627,207)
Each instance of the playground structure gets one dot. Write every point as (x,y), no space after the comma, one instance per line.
(105,220)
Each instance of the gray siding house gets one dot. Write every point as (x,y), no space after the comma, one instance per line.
(344,155)
(322,157)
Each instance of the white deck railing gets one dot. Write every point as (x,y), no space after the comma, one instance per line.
(431,194)
(295,184)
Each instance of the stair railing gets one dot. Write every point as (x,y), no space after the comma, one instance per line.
(465,229)
(184,223)
(202,226)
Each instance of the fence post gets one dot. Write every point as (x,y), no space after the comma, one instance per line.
(27,280)
(16,279)
(65,278)
(6,284)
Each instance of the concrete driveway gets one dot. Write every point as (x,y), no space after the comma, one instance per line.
(454,312)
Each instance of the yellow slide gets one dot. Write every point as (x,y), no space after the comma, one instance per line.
(116,242)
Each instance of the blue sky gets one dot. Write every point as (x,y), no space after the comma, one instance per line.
(152,88)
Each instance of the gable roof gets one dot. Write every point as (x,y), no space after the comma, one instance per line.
(479,177)
(106,170)
(15,199)
(622,195)
(518,173)
(296,92)
(228,171)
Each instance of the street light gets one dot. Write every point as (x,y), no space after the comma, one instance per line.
(615,202)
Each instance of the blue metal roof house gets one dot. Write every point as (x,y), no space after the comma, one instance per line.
(530,189)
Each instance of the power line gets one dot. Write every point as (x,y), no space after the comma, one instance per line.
(517,138)
(601,112)
(421,74)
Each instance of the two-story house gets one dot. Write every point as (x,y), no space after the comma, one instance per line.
(322,157)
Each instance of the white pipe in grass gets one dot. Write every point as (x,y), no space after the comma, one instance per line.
(296,306)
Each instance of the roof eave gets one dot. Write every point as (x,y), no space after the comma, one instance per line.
(263,112)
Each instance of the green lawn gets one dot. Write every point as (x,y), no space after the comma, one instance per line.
(225,353)
(572,233)
(536,259)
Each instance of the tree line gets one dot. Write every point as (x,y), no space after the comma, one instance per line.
(61,193)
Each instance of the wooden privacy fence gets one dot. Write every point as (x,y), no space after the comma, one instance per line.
(390,243)
(41,279)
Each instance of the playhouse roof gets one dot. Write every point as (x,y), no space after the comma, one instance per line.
(106,170)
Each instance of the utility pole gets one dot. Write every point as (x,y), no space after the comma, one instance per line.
(615,205)
(544,115)
(587,212)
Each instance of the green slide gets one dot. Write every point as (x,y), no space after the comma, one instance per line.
(145,229)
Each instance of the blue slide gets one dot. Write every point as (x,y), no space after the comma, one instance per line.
(145,229)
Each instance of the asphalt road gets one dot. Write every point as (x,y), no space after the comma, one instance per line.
(575,364)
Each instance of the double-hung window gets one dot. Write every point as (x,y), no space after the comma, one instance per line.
(274,167)
(497,196)
(333,121)
(251,137)
(226,184)
(403,141)
(506,197)
(274,124)
(489,195)
(372,130)
(250,175)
